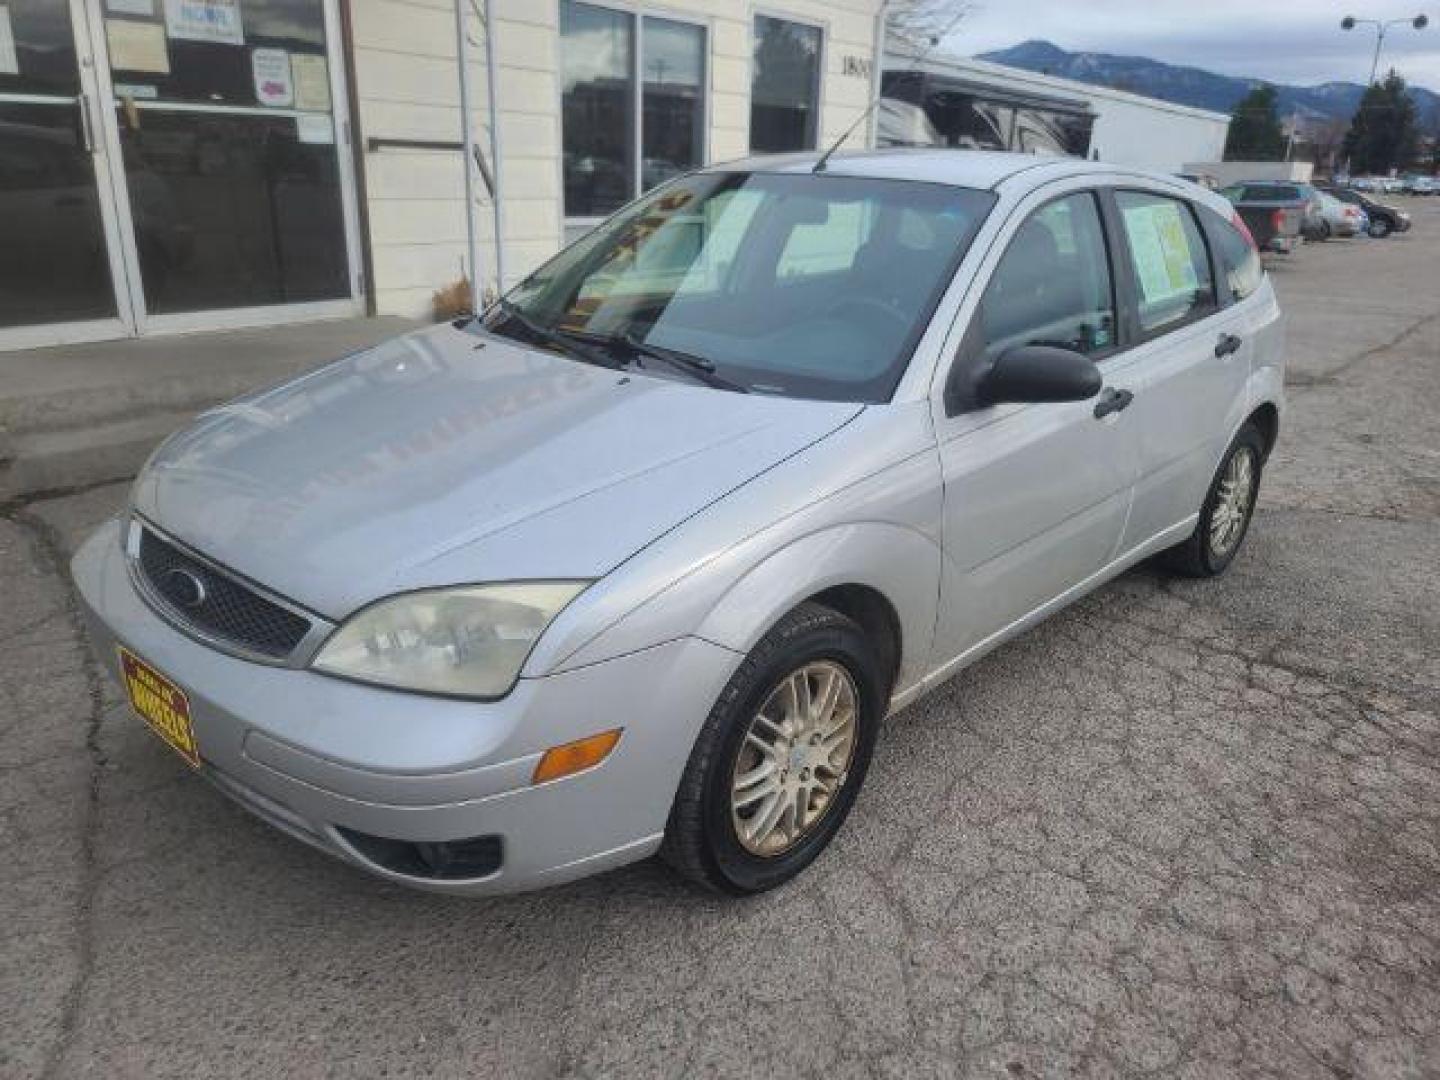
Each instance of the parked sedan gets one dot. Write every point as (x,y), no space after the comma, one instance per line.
(640,560)
(1384,219)
(1338,218)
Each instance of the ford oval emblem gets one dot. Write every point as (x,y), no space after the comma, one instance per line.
(184,587)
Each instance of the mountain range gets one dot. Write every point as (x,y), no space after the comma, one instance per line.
(1195,86)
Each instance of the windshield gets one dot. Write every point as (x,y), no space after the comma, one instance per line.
(815,286)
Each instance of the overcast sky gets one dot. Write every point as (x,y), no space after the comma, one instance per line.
(1290,41)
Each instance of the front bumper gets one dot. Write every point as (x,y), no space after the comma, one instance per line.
(318,756)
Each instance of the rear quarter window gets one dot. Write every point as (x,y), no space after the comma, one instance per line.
(1240,269)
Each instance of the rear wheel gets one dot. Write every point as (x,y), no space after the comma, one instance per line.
(781,757)
(1225,516)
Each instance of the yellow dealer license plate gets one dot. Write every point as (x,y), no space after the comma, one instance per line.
(161,704)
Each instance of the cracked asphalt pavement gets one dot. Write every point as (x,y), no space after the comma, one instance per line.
(1184,829)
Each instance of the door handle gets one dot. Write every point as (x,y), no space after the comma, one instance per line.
(1112,401)
(1227,344)
(87,134)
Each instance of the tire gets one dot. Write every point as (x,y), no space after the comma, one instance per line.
(1202,554)
(1379,228)
(703,838)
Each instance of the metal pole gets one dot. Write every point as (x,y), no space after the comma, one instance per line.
(496,165)
(1379,41)
(472,243)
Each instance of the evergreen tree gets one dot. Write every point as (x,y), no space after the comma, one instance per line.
(1385,133)
(1255,132)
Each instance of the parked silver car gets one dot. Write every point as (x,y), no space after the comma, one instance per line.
(639,561)
(1339,218)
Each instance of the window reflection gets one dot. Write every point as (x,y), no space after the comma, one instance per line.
(233,211)
(44,49)
(53,263)
(784,96)
(674,103)
(222,73)
(601,51)
(597,112)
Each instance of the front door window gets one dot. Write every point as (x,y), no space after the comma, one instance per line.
(1053,284)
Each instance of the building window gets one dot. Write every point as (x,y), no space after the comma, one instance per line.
(618,143)
(785,86)
(672,120)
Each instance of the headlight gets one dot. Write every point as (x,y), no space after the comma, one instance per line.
(470,641)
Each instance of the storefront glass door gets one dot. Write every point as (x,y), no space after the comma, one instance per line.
(60,273)
(217,152)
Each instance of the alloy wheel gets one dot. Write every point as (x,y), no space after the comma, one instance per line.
(795,758)
(1233,501)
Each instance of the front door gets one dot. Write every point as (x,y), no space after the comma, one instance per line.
(61,276)
(184,161)
(1036,495)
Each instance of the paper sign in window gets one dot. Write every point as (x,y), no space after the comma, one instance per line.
(273,85)
(312,81)
(316,130)
(9,62)
(131,7)
(1162,253)
(215,21)
(137,46)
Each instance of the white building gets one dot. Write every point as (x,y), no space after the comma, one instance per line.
(170,165)
(944,100)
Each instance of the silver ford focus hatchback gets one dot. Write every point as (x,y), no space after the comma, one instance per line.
(639,560)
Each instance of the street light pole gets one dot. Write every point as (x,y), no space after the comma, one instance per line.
(1419,22)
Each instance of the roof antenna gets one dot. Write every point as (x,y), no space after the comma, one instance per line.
(915,62)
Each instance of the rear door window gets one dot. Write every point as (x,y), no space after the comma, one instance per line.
(1169,259)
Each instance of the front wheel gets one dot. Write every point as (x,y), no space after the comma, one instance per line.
(781,757)
(1225,516)
(1379,228)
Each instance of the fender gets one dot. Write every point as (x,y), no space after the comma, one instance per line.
(900,563)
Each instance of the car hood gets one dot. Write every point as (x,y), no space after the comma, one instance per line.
(447,457)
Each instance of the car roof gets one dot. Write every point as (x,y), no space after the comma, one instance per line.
(983,169)
(958,167)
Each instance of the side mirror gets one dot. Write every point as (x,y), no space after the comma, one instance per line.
(1039,373)
(1027,373)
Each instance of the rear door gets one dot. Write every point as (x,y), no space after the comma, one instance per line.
(1191,359)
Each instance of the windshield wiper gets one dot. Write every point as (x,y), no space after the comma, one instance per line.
(697,367)
(563,341)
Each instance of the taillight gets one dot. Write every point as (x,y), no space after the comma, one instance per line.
(1277,222)
(1243,229)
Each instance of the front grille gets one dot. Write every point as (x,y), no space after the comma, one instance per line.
(222,608)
